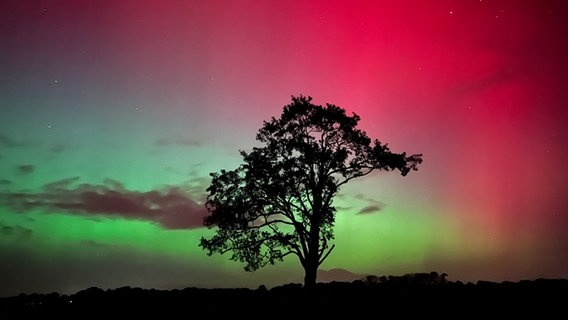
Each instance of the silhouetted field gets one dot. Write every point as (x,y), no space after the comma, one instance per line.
(377,297)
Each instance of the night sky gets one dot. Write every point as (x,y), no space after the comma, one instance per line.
(113,114)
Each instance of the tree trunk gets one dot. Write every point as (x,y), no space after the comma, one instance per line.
(311,273)
(312,260)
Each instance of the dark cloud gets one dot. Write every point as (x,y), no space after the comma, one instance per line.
(91,243)
(196,189)
(17,231)
(184,142)
(8,142)
(374,206)
(172,208)
(60,184)
(370,209)
(25,168)
(4,182)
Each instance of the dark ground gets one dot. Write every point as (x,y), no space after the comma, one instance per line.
(372,298)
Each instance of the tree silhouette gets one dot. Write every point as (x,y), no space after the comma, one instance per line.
(280,200)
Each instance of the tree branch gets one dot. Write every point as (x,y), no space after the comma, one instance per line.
(325,256)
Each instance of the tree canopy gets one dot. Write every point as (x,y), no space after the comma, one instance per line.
(279,201)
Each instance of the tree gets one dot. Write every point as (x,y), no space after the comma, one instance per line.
(279,201)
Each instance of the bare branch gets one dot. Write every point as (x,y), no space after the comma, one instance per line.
(325,256)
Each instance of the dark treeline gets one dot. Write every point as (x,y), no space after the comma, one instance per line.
(409,295)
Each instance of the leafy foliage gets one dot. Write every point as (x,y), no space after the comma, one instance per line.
(280,200)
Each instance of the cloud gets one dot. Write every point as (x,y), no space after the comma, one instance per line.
(370,209)
(171,207)
(374,206)
(4,182)
(17,231)
(184,142)
(55,148)
(8,142)
(60,184)
(94,244)
(25,168)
